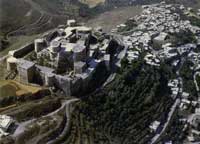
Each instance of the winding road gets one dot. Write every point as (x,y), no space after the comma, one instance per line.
(68,117)
(156,138)
(170,115)
(195,81)
(22,126)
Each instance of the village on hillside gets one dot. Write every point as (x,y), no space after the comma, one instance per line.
(164,34)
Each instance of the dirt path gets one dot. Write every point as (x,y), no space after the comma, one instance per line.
(170,115)
(67,126)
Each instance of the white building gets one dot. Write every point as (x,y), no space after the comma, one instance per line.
(154,126)
(5,122)
(71,22)
(160,40)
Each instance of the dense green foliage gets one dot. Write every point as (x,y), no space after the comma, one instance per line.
(3,43)
(125,108)
(175,132)
(34,109)
(198,80)
(194,21)
(183,37)
(187,75)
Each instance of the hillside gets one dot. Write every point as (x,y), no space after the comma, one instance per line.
(30,17)
(35,13)
(28,14)
(121,112)
(92,3)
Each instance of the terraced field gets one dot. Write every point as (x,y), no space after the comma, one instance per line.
(15,15)
(31,17)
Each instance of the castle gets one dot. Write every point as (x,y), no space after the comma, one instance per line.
(66,57)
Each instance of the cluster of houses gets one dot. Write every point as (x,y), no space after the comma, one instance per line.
(154,126)
(156,30)
(174,86)
(156,26)
(65,58)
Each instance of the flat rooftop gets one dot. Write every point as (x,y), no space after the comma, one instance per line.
(68,46)
(78,48)
(45,69)
(25,64)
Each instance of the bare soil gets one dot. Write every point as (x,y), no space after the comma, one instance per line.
(110,19)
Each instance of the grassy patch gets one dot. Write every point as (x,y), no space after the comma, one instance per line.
(7,89)
(13,88)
